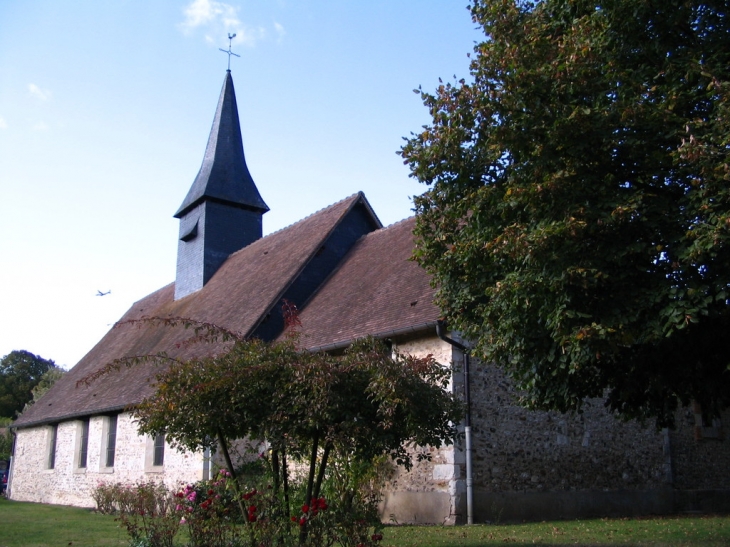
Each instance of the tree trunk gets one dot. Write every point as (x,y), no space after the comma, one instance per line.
(229,464)
(322,467)
(310,485)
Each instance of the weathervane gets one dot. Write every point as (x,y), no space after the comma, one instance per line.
(229,52)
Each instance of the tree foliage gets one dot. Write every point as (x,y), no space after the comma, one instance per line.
(578,219)
(6,439)
(20,373)
(311,406)
(49,377)
(368,401)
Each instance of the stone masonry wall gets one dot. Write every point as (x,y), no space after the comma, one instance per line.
(517,450)
(700,457)
(431,491)
(68,484)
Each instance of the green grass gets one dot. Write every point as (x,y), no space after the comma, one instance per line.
(699,531)
(37,525)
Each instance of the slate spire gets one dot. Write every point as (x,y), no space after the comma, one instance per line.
(223,210)
(224,175)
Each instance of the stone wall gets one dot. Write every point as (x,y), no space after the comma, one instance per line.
(531,465)
(700,456)
(431,492)
(527,465)
(530,451)
(541,465)
(67,484)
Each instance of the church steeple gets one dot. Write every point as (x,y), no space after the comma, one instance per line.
(222,211)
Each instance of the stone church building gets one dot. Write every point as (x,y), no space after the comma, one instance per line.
(350,277)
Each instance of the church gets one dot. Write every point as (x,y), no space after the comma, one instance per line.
(350,277)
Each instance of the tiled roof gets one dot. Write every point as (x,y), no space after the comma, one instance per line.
(376,290)
(237,298)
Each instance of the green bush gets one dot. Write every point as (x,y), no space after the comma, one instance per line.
(146,510)
(251,512)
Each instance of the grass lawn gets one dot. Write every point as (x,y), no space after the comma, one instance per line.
(693,531)
(36,525)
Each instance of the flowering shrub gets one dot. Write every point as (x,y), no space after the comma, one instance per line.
(106,497)
(146,510)
(208,509)
(217,514)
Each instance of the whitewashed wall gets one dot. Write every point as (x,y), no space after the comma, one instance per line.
(67,484)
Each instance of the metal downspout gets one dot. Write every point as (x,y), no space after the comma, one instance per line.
(440,332)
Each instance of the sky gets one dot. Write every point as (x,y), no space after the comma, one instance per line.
(106,108)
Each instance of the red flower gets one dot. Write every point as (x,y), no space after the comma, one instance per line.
(294,519)
(211,492)
(302,521)
(305,508)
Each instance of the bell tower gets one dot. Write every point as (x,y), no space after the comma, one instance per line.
(223,210)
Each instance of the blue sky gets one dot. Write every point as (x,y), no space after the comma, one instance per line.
(105,110)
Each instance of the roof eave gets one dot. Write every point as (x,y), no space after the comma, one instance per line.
(391,333)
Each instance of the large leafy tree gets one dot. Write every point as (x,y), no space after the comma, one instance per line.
(20,373)
(578,219)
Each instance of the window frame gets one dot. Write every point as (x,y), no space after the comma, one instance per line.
(154,460)
(51,445)
(110,430)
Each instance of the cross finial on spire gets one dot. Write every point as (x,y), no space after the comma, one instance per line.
(229,52)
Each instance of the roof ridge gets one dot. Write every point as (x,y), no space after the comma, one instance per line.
(353,199)
(396,223)
(318,211)
(263,240)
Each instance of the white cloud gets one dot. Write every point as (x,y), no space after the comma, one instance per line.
(38,93)
(219,19)
(209,12)
(3,123)
(249,36)
(279,30)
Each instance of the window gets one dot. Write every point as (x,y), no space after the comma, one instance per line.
(84,443)
(154,457)
(159,457)
(111,440)
(706,425)
(53,434)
